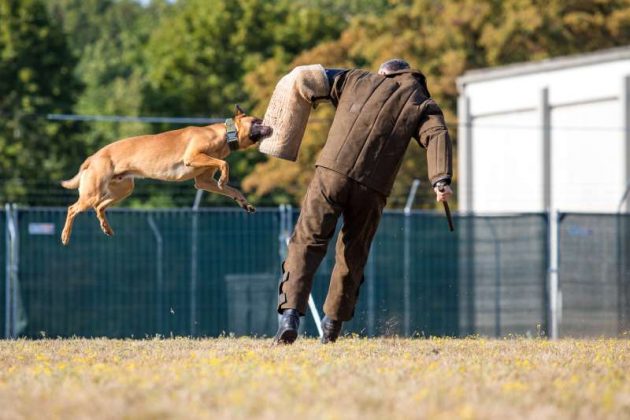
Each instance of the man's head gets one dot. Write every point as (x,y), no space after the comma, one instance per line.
(391,66)
(250,129)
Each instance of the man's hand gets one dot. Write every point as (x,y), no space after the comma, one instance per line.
(443,195)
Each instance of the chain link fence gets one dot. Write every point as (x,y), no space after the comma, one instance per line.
(504,275)
(215,271)
(594,274)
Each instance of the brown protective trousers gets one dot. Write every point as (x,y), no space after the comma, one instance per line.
(330,195)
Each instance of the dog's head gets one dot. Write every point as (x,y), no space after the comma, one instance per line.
(250,129)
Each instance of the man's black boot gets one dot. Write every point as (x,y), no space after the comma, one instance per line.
(288,328)
(330,330)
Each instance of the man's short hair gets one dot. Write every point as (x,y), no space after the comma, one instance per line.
(393,65)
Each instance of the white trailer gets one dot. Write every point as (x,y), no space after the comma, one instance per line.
(550,136)
(546,136)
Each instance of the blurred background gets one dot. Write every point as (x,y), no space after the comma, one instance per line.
(536,94)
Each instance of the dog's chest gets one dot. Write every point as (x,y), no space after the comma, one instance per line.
(177,171)
(163,171)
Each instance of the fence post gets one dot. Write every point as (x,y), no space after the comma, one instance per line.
(553,247)
(12,262)
(407,258)
(159,274)
(544,109)
(193,263)
(7,278)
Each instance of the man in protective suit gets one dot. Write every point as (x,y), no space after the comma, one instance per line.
(377,115)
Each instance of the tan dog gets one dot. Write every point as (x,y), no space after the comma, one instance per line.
(106,177)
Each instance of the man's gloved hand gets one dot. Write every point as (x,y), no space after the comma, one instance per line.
(442,192)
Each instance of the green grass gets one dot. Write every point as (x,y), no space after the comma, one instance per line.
(353,379)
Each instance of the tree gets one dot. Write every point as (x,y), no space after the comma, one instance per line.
(443,39)
(200,53)
(36,78)
(110,37)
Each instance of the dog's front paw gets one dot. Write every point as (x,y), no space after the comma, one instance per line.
(107,230)
(248,208)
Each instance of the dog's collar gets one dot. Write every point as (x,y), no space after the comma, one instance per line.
(231,134)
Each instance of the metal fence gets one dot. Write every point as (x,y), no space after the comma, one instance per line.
(504,270)
(594,274)
(216,271)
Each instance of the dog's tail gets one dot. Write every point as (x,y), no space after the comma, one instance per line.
(73,183)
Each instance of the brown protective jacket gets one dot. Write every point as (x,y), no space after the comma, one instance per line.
(375,119)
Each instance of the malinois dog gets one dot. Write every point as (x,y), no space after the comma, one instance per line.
(106,177)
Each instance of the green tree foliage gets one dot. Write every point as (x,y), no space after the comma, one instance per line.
(36,78)
(199,58)
(199,55)
(110,37)
(443,39)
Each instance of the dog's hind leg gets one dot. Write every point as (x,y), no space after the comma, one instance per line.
(73,210)
(92,183)
(117,191)
(84,202)
(206,182)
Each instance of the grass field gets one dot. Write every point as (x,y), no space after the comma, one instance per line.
(356,378)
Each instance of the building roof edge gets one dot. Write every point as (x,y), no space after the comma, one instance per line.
(550,64)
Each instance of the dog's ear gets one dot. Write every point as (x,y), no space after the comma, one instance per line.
(238,111)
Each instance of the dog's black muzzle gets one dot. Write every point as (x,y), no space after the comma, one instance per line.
(259,132)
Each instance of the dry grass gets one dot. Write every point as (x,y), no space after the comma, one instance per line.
(356,378)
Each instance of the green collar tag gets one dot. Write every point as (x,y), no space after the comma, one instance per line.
(231,135)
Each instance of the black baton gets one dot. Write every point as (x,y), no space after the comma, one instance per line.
(447,209)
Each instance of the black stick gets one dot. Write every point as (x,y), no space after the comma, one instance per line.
(447,209)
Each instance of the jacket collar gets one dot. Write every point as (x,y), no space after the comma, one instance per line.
(402,71)
(418,74)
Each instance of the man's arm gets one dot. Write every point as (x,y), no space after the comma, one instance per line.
(336,81)
(433,136)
